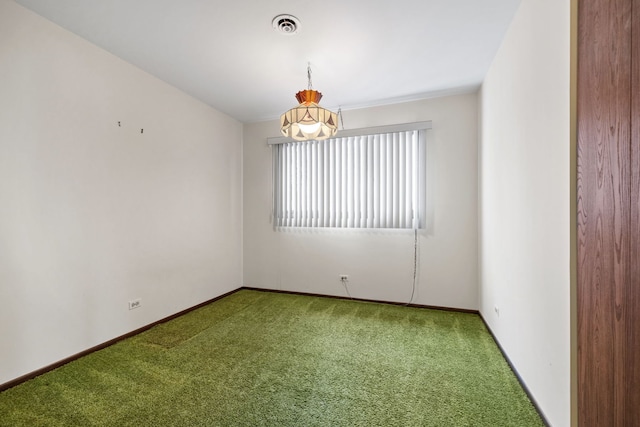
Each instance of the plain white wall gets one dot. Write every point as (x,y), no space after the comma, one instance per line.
(93,215)
(525,201)
(379,263)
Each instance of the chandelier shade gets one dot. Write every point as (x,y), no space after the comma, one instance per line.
(309,121)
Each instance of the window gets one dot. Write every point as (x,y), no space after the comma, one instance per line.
(371,178)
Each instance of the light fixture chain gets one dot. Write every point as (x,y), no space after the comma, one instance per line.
(309,76)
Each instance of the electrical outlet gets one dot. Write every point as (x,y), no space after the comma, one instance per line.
(136,303)
(344,278)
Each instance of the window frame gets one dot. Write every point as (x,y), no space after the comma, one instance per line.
(423,219)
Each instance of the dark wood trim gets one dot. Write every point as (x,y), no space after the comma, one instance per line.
(44,370)
(76,356)
(605,246)
(515,372)
(632,297)
(105,344)
(430,307)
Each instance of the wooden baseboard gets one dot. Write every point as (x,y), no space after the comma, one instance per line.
(430,307)
(76,356)
(461,310)
(515,372)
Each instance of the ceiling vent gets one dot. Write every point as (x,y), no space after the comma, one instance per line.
(287,25)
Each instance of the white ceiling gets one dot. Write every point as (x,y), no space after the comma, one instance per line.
(362,52)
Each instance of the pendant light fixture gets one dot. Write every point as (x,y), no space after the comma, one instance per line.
(309,120)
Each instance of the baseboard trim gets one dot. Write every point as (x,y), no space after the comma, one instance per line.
(515,372)
(51,367)
(38,372)
(430,307)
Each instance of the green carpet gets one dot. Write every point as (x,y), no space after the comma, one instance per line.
(267,359)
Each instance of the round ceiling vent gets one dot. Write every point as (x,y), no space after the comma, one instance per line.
(287,25)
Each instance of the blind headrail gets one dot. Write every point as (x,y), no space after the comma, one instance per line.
(363,131)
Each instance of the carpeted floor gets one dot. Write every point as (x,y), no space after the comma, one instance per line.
(268,359)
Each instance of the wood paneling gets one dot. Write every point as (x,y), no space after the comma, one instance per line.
(632,361)
(608,214)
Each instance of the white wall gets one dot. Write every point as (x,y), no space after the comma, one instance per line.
(93,215)
(525,201)
(379,263)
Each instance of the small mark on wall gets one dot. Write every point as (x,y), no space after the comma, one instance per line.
(120,125)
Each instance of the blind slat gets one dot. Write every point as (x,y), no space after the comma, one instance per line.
(402,184)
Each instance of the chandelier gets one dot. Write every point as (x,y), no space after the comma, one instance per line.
(309,120)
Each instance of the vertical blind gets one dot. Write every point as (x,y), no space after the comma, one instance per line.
(366,181)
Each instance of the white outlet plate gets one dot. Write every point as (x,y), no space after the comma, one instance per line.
(136,303)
